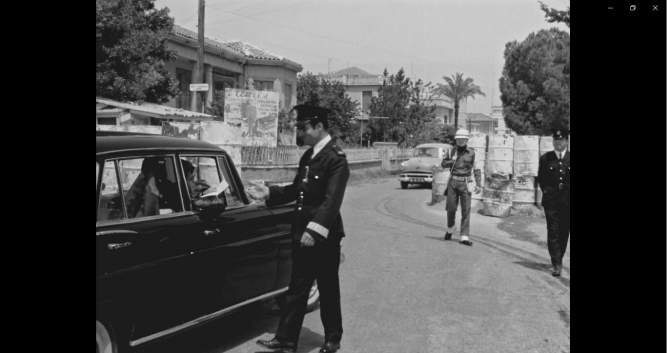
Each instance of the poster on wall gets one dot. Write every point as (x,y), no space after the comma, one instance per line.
(252,116)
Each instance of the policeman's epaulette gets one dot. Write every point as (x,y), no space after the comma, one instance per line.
(339,151)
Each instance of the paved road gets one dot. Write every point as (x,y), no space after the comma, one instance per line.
(405,289)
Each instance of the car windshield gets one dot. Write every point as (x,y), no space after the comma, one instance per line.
(427,152)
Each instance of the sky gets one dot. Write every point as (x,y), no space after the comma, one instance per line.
(429,39)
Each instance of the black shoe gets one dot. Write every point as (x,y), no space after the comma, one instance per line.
(557,271)
(447,236)
(329,347)
(278,346)
(465,242)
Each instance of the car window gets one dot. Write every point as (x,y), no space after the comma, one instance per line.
(232,193)
(110,206)
(201,173)
(426,152)
(150,186)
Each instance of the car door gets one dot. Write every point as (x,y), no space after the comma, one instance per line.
(144,253)
(239,248)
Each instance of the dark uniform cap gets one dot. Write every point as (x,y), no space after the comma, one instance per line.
(560,133)
(307,113)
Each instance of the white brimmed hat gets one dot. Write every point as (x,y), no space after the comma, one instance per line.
(462,134)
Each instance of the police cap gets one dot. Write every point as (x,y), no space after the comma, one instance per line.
(307,113)
(560,133)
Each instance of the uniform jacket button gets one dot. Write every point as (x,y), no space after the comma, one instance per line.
(316,177)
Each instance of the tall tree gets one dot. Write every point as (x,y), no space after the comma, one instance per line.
(400,101)
(535,86)
(321,92)
(458,89)
(552,15)
(131,50)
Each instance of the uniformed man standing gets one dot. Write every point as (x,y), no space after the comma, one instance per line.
(319,189)
(461,161)
(554,180)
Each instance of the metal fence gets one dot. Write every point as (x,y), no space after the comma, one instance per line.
(290,155)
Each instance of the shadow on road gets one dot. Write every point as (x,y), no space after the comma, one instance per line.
(309,340)
(453,239)
(543,267)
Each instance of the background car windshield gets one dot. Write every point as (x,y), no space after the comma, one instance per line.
(427,152)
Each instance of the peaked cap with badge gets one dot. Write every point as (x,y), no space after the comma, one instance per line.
(308,113)
(559,133)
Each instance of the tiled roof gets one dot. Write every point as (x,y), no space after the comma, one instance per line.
(351,71)
(238,47)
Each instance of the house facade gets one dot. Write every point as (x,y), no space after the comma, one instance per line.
(478,123)
(228,64)
(497,114)
(360,86)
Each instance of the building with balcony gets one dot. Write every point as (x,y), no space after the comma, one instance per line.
(478,123)
(497,114)
(227,64)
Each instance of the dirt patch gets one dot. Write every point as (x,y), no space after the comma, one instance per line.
(532,230)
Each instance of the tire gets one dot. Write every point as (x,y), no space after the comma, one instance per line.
(312,300)
(403,184)
(104,339)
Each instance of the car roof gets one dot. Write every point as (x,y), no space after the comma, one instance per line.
(434,145)
(113,141)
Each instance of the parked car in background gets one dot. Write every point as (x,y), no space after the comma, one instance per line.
(419,168)
(164,261)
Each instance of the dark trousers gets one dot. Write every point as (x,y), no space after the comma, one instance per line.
(558,231)
(458,190)
(320,262)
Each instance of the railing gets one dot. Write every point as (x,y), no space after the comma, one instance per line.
(290,155)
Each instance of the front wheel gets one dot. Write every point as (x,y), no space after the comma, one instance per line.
(403,184)
(103,339)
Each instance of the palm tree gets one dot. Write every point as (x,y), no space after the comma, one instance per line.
(457,89)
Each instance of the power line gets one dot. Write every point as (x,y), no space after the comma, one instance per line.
(258,14)
(349,43)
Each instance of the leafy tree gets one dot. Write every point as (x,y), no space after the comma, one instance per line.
(130,51)
(218,105)
(409,119)
(458,89)
(552,15)
(535,85)
(319,91)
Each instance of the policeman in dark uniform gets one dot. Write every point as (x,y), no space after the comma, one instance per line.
(319,189)
(461,161)
(554,180)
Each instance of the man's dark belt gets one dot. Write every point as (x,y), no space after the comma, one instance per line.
(458,178)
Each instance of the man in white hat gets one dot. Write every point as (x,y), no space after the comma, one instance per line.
(461,161)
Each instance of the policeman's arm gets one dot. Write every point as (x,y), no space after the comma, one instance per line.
(318,228)
(280,195)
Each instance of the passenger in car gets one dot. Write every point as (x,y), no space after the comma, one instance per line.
(142,199)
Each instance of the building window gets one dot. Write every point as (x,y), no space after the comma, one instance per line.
(367,100)
(263,85)
(107,121)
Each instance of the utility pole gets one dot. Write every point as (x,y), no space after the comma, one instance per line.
(201,45)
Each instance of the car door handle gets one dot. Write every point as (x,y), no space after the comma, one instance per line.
(114,246)
(210,232)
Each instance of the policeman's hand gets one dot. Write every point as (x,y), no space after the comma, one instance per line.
(478,189)
(306,240)
(258,191)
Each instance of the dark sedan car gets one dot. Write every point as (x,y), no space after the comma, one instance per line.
(165,263)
